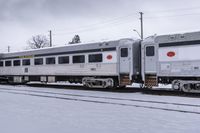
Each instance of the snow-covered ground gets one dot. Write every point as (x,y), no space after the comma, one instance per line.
(32,114)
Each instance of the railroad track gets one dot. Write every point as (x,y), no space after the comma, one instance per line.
(147,104)
(164,92)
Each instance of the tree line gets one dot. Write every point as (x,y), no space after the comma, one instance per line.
(41,41)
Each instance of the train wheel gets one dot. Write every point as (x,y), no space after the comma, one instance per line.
(176,85)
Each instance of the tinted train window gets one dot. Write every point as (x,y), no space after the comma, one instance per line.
(63,60)
(16,63)
(95,58)
(1,63)
(38,61)
(8,63)
(150,51)
(79,59)
(26,62)
(124,52)
(50,60)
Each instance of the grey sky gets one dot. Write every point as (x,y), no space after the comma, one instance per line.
(93,20)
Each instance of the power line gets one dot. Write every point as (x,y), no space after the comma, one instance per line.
(115,19)
(168,16)
(92,28)
(174,10)
(121,18)
(134,14)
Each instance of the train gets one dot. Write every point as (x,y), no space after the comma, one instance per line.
(158,59)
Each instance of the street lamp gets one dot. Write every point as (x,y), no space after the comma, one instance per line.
(137,33)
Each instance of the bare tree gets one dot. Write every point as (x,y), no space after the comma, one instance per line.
(38,41)
(76,39)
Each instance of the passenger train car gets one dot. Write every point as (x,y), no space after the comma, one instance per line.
(167,59)
(104,64)
(172,59)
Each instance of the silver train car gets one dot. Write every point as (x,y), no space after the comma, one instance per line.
(172,59)
(103,65)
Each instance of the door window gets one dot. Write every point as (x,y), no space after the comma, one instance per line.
(150,51)
(124,52)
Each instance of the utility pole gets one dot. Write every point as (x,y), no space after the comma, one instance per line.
(50,38)
(141,20)
(8,49)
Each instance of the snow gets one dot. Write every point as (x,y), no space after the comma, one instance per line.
(31,114)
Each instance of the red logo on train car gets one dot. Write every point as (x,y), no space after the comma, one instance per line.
(171,54)
(109,57)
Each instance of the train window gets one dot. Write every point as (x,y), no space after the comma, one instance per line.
(95,58)
(50,60)
(150,51)
(79,59)
(16,63)
(124,52)
(26,62)
(63,60)
(8,63)
(38,61)
(1,63)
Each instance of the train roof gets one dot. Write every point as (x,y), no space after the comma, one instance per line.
(179,39)
(68,48)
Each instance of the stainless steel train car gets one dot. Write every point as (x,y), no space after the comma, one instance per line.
(172,59)
(103,64)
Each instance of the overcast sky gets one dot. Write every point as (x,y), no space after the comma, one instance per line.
(93,20)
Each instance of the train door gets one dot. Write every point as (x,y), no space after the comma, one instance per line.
(150,59)
(150,65)
(125,61)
